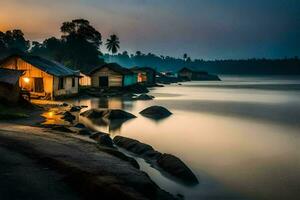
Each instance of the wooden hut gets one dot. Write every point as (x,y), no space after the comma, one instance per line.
(112,75)
(145,75)
(9,85)
(42,77)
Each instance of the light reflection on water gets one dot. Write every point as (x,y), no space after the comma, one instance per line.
(244,138)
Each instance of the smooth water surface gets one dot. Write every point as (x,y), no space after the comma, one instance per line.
(240,136)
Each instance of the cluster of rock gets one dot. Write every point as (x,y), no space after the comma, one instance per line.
(167,162)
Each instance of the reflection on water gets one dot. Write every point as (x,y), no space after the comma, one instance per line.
(240,141)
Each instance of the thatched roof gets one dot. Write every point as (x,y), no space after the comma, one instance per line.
(49,66)
(114,67)
(10,76)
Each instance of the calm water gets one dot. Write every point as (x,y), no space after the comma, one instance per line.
(240,136)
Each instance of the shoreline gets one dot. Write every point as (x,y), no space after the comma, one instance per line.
(81,161)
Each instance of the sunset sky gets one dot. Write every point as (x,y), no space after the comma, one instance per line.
(208,29)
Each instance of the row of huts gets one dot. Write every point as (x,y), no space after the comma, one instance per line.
(49,79)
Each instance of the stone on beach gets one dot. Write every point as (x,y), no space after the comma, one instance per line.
(168,163)
(156,112)
(80,125)
(111,114)
(68,117)
(61,128)
(136,147)
(96,136)
(144,97)
(177,168)
(75,109)
(105,140)
(84,131)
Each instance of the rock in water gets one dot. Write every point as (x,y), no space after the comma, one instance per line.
(136,147)
(144,97)
(105,140)
(166,162)
(177,168)
(68,117)
(96,136)
(84,131)
(156,112)
(75,109)
(110,114)
(80,125)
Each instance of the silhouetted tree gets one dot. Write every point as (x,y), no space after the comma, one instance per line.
(185,56)
(81,43)
(13,40)
(138,53)
(113,44)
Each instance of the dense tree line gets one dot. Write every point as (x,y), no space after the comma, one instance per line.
(245,66)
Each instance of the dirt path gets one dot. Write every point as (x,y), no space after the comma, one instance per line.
(90,171)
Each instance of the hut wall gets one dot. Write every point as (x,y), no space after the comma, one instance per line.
(130,79)
(85,80)
(114,79)
(31,72)
(68,89)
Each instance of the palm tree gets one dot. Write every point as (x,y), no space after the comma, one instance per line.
(113,44)
(185,56)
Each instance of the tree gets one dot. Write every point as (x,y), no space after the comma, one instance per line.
(51,48)
(113,44)
(81,29)
(185,56)
(138,53)
(13,39)
(81,43)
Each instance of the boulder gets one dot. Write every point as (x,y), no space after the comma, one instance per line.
(80,125)
(67,116)
(177,168)
(111,114)
(62,128)
(144,97)
(75,109)
(64,104)
(105,140)
(96,136)
(165,162)
(156,112)
(84,131)
(136,147)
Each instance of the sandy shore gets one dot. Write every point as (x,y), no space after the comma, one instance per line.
(79,168)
